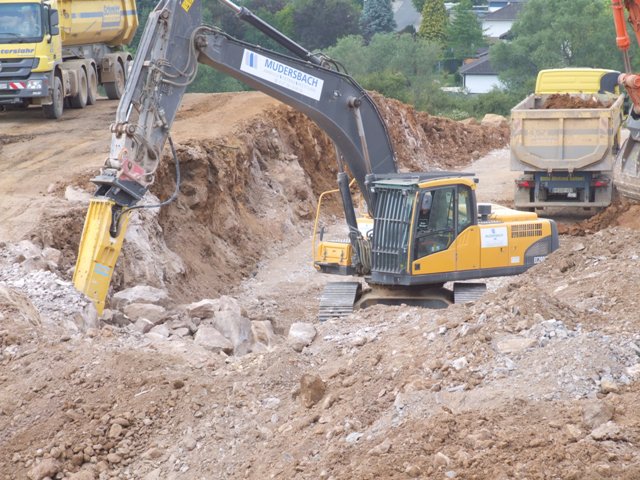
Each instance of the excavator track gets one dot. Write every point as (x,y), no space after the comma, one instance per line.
(338,299)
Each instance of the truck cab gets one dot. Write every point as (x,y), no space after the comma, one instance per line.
(63,49)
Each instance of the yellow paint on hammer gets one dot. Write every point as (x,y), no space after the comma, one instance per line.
(186,4)
(98,252)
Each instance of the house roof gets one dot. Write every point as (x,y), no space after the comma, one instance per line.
(505,14)
(480,66)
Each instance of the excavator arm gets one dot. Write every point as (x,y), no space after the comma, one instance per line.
(627,168)
(172,45)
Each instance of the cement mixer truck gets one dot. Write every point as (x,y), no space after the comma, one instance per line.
(57,52)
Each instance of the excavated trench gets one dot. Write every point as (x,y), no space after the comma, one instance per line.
(250,194)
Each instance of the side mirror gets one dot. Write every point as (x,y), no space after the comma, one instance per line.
(53,22)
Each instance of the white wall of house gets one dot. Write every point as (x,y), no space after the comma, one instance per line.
(481,83)
(495,28)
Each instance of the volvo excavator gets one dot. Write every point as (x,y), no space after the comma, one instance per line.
(627,169)
(427,230)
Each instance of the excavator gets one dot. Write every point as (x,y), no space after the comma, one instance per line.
(427,230)
(627,169)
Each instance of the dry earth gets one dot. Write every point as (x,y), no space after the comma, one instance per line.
(537,380)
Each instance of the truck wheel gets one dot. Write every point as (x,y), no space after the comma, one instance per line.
(54,111)
(79,100)
(92,82)
(115,89)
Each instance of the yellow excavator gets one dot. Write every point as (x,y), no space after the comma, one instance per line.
(421,231)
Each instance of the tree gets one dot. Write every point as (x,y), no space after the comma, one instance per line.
(318,24)
(434,21)
(398,66)
(571,33)
(419,4)
(465,31)
(377,17)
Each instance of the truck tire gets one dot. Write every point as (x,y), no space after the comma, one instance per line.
(79,100)
(54,111)
(92,83)
(115,89)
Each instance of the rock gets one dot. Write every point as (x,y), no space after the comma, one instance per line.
(301,335)
(413,471)
(469,121)
(607,431)
(87,318)
(204,308)
(634,370)
(492,119)
(153,453)
(513,344)
(263,334)
(608,386)
(595,413)
(573,432)
(460,363)
(154,313)
(235,328)
(18,306)
(359,341)
(143,325)
(115,431)
(114,458)
(212,340)
(354,437)
(312,389)
(83,475)
(159,331)
(52,255)
(48,467)
(76,195)
(153,475)
(189,443)
(381,448)
(441,460)
(139,294)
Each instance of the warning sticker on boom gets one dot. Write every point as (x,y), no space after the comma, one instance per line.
(282,74)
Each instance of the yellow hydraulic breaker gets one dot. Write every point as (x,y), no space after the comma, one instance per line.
(98,251)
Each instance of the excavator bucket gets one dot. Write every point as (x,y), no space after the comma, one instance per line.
(626,175)
(98,252)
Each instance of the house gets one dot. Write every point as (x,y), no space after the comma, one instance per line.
(498,22)
(478,76)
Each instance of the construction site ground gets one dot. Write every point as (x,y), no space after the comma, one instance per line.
(536,380)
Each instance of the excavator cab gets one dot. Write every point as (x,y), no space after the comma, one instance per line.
(428,230)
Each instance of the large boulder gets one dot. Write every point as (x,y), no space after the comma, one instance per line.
(211,339)
(139,294)
(301,335)
(264,337)
(156,314)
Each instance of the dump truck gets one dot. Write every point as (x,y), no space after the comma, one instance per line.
(565,137)
(54,52)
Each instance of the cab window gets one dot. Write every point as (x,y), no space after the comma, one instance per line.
(435,227)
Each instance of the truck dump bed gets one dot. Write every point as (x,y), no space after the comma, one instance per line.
(85,22)
(565,139)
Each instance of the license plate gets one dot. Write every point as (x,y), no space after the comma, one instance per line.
(4,86)
(562,190)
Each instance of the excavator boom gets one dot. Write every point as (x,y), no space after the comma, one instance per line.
(174,42)
(626,175)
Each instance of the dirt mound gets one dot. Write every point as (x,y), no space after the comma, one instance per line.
(565,100)
(622,212)
(424,142)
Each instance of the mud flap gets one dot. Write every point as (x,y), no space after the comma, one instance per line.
(98,252)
